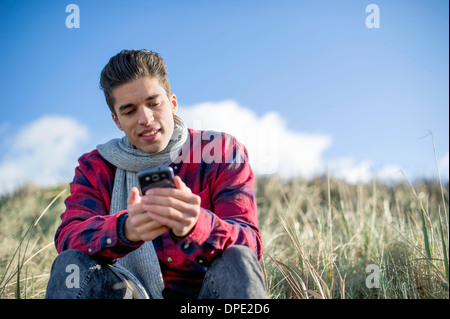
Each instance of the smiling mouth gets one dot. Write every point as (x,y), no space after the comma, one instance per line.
(149,133)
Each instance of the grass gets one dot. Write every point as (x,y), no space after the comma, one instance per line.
(28,222)
(319,237)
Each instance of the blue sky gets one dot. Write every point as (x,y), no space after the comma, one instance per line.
(346,97)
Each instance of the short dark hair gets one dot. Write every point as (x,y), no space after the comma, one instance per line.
(130,65)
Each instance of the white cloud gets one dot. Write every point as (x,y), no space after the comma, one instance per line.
(273,149)
(391,172)
(44,152)
(349,170)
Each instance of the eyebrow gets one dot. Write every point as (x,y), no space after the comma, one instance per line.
(125,106)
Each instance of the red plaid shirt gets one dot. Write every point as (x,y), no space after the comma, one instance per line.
(228,212)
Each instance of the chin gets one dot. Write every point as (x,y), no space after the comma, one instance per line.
(151,149)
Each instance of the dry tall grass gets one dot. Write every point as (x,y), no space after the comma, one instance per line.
(319,236)
(28,222)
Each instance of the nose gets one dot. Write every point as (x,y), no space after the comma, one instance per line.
(145,116)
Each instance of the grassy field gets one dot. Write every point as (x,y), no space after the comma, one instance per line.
(322,239)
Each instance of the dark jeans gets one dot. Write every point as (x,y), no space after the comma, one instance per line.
(235,274)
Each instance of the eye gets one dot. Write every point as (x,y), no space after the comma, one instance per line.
(154,104)
(129,112)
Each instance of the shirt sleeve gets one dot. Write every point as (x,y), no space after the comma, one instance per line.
(228,213)
(86,224)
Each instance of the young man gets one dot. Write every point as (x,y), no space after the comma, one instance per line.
(197,240)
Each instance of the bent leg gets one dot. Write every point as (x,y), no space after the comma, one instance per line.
(76,275)
(235,274)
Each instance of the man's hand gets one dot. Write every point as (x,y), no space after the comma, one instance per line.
(139,225)
(176,208)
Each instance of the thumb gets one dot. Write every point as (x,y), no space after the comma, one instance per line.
(179,183)
(134,196)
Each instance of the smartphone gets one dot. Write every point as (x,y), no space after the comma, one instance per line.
(155,177)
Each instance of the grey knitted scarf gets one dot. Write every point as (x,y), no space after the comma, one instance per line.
(140,266)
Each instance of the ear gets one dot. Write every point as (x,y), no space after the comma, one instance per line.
(116,120)
(174,102)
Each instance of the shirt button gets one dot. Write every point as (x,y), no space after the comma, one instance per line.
(201,261)
(186,246)
(169,259)
(90,250)
(108,241)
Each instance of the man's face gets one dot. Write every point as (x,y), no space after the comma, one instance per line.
(145,113)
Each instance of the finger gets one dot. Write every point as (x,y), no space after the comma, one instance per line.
(182,195)
(154,233)
(139,220)
(180,228)
(164,211)
(134,196)
(179,184)
(167,221)
(167,202)
(149,226)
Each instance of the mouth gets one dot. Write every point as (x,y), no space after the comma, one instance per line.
(150,134)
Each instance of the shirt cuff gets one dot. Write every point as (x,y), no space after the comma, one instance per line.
(195,245)
(200,232)
(120,231)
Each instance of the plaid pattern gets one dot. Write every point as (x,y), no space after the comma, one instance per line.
(228,211)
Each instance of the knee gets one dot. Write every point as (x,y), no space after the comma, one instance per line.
(73,254)
(236,273)
(239,253)
(71,257)
(240,258)
(65,267)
